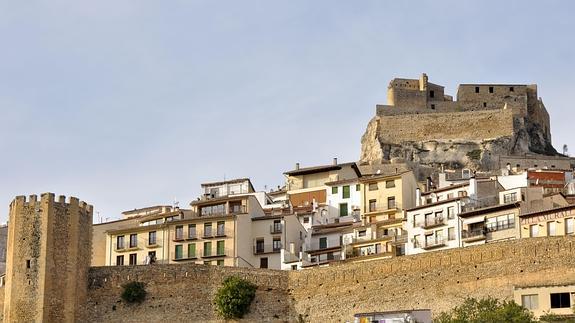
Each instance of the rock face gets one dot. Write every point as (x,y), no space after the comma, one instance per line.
(423,126)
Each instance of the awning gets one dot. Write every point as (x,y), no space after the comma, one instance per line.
(475,219)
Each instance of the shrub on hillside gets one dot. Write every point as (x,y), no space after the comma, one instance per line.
(486,310)
(134,292)
(233,299)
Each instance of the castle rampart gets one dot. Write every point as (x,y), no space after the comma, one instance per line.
(48,257)
(436,280)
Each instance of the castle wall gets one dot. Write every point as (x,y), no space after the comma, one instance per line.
(477,125)
(436,280)
(49,251)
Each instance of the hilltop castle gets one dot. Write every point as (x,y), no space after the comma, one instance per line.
(421,124)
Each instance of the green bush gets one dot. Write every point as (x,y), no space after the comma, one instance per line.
(486,310)
(474,154)
(233,299)
(134,292)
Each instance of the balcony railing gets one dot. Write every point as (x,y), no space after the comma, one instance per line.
(431,222)
(400,239)
(383,207)
(315,246)
(438,242)
(276,228)
(356,252)
(267,248)
(473,234)
(235,209)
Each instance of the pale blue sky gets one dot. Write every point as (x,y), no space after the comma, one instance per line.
(128,104)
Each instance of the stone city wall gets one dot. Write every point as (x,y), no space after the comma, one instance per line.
(436,280)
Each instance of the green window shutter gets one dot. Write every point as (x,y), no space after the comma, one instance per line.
(192,250)
(322,243)
(207,249)
(221,247)
(334,190)
(343,209)
(345,192)
(179,251)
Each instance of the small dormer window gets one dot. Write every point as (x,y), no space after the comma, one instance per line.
(477,89)
(491,89)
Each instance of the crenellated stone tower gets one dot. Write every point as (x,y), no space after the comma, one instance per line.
(48,257)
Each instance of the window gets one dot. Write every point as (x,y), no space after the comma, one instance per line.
(477,89)
(179,232)
(192,231)
(551,228)
(510,197)
(277,226)
(462,193)
(372,205)
(221,230)
(207,262)
(357,188)
(451,234)
(334,190)
(345,192)
(372,186)
(306,219)
(491,89)
(431,94)
(511,89)
(389,184)
(259,245)
(560,300)
(485,104)
(119,260)
(212,210)
(530,302)
(433,107)
(391,202)
(179,251)
(221,247)
(207,249)
(361,233)
(264,262)
(501,222)
(439,215)
(133,240)
(276,244)
(220,262)
(192,250)
(120,242)
(534,230)
(323,243)
(208,229)
(343,209)
(569,226)
(416,241)
(152,237)
(133,259)
(451,212)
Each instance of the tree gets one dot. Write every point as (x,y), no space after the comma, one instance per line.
(233,299)
(485,311)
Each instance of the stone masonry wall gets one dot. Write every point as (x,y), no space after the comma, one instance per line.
(436,280)
(477,125)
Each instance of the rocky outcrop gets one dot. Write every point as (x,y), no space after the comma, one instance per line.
(384,140)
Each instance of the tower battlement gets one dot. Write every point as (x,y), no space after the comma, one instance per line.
(51,198)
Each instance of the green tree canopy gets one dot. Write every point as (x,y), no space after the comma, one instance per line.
(486,310)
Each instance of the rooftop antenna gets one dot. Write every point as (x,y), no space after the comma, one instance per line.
(565,150)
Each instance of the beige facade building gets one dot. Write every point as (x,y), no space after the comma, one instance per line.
(554,222)
(550,299)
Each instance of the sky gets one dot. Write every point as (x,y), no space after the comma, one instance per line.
(128,104)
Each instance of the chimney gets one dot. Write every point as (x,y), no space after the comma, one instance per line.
(472,187)
(335,160)
(417,197)
(296,166)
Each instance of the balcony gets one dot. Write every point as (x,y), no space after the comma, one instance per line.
(400,239)
(383,207)
(276,228)
(475,234)
(267,248)
(233,209)
(356,252)
(500,225)
(431,222)
(437,243)
(330,244)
